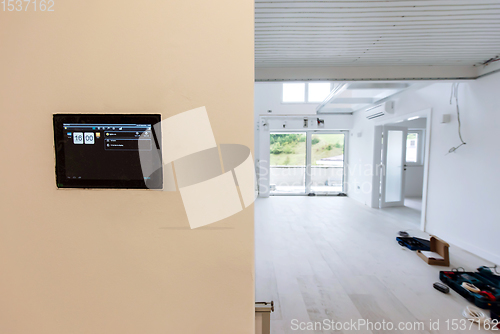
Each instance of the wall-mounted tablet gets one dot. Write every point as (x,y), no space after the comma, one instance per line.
(102,150)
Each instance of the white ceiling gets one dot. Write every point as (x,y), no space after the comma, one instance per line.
(299,33)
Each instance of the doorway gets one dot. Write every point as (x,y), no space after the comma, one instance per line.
(307,162)
(403,160)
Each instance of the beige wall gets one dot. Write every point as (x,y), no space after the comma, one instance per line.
(120,261)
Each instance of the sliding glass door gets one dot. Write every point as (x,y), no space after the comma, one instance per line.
(309,162)
(327,162)
(287,174)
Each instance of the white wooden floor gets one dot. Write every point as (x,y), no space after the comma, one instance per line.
(414,203)
(410,213)
(334,258)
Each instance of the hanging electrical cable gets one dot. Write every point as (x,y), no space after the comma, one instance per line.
(454,94)
(491,60)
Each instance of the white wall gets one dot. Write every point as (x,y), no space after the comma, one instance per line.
(125,261)
(268,96)
(419,123)
(462,205)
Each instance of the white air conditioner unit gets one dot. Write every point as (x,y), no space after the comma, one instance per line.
(380,110)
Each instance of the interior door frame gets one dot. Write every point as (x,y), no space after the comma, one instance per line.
(383,182)
(427,113)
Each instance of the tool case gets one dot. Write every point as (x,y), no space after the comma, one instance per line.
(414,243)
(487,282)
(495,312)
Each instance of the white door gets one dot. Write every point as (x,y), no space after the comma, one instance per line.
(393,166)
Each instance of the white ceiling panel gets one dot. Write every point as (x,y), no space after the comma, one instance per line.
(327,33)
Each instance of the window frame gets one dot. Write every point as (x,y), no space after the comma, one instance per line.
(306,91)
(420,147)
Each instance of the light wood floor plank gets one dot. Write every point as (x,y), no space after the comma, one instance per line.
(332,258)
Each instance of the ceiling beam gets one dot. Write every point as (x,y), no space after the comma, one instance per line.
(365,73)
(353,100)
(335,111)
(378,85)
(491,68)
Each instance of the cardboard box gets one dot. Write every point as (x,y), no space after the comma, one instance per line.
(441,247)
(263,317)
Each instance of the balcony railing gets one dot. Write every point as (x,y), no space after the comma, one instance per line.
(292,179)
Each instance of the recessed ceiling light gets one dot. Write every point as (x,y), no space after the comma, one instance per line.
(412,118)
(401,120)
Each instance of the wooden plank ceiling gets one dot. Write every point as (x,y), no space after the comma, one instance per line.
(298,33)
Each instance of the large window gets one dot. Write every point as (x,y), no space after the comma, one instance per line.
(299,92)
